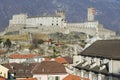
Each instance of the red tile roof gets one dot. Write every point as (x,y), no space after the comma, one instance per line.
(72,77)
(22,56)
(2,78)
(68,59)
(49,67)
(61,60)
(47,59)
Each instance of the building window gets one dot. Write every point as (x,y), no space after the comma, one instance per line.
(57,78)
(24,27)
(5,75)
(40,24)
(39,78)
(52,24)
(62,20)
(50,78)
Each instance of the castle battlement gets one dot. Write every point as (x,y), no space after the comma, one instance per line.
(56,23)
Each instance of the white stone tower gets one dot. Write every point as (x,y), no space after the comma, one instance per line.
(61,13)
(91,12)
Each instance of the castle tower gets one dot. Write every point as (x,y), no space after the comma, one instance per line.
(91,12)
(61,13)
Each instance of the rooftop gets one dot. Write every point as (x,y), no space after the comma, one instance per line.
(22,70)
(104,48)
(22,56)
(61,60)
(2,78)
(72,77)
(49,67)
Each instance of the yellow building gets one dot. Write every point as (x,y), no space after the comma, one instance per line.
(3,71)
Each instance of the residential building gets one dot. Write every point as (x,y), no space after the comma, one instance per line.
(100,61)
(49,70)
(3,72)
(20,58)
(19,70)
(2,78)
(46,70)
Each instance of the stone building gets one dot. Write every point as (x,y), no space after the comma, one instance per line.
(22,23)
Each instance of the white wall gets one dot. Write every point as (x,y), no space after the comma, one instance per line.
(37,21)
(77,59)
(114,66)
(18,19)
(45,77)
(3,72)
(16,60)
(45,21)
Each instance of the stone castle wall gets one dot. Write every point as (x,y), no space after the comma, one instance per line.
(56,23)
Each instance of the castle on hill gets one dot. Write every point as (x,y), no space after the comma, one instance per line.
(23,24)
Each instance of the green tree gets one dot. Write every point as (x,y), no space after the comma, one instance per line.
(7,43)
(55,53)
(40,41)
(0,40)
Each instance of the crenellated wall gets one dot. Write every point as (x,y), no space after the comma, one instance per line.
(56,23)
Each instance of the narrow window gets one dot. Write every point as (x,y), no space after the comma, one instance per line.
(57,78)
(52,24)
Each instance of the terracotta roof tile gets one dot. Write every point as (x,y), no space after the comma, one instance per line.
(61,60)
(49,67)
(72,77)
(2,78)
(47,59)
(68,59)
(22,56)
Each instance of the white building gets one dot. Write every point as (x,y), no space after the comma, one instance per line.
(21,58)
(100,61)
(23,21)
(49,70)
(4,71)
